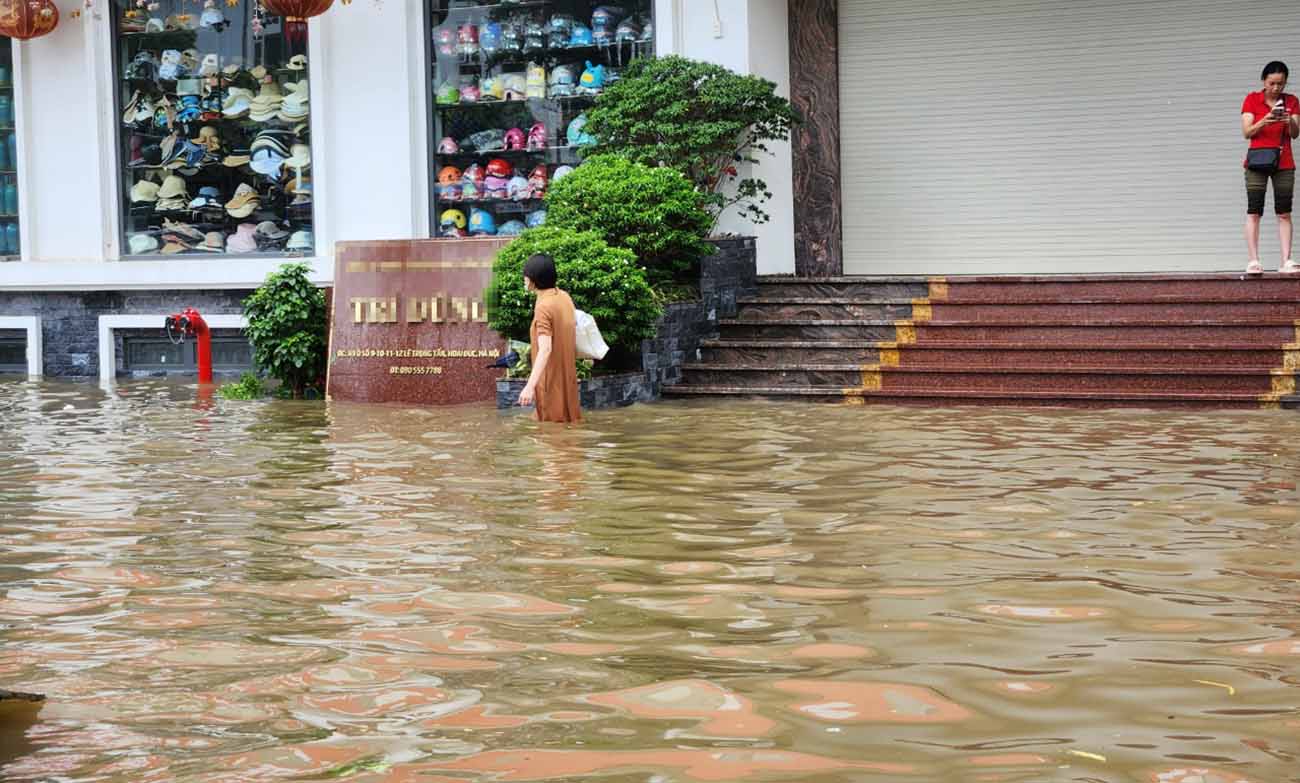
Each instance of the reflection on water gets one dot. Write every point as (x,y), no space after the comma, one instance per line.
(254,591)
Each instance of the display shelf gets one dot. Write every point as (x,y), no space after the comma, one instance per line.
(486,201)
(8,216)
(493,6)
(468,105)
(509,153)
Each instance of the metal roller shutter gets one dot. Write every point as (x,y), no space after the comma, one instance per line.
(1046,136)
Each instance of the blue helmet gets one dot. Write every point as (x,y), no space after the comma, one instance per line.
(577,134)
(593,78)
(536,218)
(481,223)
(511,228)
(489,37)
(581,35)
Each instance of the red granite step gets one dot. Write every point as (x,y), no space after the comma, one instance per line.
(1134,355)
(964,397)
(1119,288)
(1190,311)
(1084,335)
(1259,380)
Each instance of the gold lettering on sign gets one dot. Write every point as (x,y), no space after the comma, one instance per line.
(374,310)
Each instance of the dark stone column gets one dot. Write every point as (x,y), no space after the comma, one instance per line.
(815,93)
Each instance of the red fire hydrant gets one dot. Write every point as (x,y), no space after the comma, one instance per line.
(188,323)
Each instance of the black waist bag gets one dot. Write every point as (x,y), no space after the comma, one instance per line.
(1264,159)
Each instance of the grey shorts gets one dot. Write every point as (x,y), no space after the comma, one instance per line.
(1257,185)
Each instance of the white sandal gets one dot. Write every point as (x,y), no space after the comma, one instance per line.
(1254,267)
(1290,267)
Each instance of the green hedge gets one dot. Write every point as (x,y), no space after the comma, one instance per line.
(654,212)
(604,281)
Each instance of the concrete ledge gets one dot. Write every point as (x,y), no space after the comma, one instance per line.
(183,273)
(604,391)
(32,325)
(107,323)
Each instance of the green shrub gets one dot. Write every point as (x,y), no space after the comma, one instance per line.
(286,325)
(248,387)
(604,281)
(654,212)
(699,118)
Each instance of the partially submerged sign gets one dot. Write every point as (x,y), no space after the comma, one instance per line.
(409,323)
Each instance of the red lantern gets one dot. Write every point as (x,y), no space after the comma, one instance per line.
(296,13)
(27,19)
(296,10)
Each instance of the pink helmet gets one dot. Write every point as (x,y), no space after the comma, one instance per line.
(515,139)
(537,137)
(448,146)
(474,173)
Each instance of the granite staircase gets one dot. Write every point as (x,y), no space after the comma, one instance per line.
(1150,341)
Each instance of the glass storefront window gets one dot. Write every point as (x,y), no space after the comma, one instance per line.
(510,82)
(10,248)
(215,146)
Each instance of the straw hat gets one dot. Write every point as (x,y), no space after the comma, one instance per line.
(173,187)
(144,191)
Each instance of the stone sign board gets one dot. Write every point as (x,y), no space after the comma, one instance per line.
(409,323)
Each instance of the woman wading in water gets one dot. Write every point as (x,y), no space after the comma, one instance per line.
(553,383)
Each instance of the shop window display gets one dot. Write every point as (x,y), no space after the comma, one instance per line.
(215,133)
(9,244)
(511,81)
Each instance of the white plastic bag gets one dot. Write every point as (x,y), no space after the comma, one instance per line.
(590,344)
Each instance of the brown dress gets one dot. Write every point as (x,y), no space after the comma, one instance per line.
(557,389)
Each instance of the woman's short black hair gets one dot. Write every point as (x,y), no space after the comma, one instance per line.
(1277,66)
(540,268)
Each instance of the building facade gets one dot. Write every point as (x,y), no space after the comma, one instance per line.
(947,137)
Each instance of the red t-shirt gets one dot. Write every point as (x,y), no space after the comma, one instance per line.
(1275,134)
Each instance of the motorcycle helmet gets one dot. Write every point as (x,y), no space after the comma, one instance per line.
(452,218)
(469,93)
(499,167)
(448,146)
(604,21)
(511,41)
(489,38)
(647,30)
(511,228)
(536,218)
(537,182)
(561,81)
(515,139)
(534,38)
(489,140)
(448,94)
(446,41)
(449,175)
(473,173)
(492,88)
(516,86)
(559,30)
(537,137)
(562,172)
(496,187)
(577,134)
(536,83)
(593,79)
(628,31)
(481,223)
(451,192)
(518,189)
(469,191)
(467,40)
(580,36)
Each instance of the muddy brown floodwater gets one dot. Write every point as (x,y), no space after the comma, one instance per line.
(672,592)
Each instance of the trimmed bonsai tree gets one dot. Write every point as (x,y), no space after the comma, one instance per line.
(654,212)
(699,118)
(604,281)
(286,325)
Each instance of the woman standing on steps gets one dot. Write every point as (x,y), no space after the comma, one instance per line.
(1269,120)
(553,383)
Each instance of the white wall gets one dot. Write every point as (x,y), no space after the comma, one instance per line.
(747,36)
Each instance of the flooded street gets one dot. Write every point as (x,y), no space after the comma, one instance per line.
(672,592)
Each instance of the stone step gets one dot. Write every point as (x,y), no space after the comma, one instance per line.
(823,308)
(1122,288)
(1257,380)
(1262,335)
(965,397)
(905,289)
(1117,312)
(734,352)
(870,329)
(957,354)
